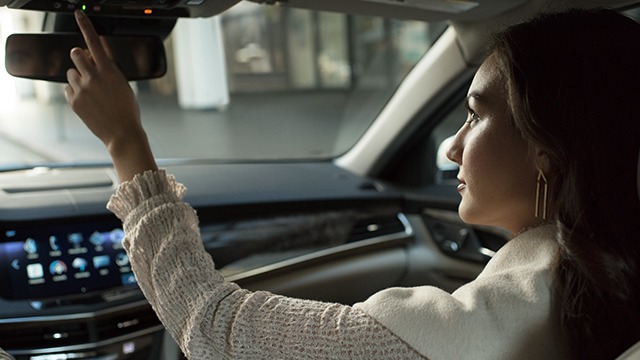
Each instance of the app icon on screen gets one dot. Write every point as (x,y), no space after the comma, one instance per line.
(30,246)
(128,279)
(80,264)
(122,259)
(57,267)
(75,239)
(97,239)
(53,242)
(116,236)
(101,261)
(35,271)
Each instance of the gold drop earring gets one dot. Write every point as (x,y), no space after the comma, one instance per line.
(542,189)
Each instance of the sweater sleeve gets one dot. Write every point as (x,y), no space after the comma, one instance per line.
(5,356)
(211,318)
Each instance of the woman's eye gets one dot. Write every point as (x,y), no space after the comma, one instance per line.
(472,118)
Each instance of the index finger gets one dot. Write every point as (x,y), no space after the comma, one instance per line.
(91,38)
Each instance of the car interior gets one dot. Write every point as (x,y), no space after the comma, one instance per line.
(310,135)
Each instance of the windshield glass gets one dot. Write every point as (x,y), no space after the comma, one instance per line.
(256,83)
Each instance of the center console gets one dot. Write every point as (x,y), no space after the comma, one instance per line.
(53,260)
(69,293)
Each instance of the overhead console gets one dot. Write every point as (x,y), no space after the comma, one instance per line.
(127,8)
(430,10)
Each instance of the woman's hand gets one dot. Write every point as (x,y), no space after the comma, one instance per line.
(101,96)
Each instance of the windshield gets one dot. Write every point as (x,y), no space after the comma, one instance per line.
(256,83)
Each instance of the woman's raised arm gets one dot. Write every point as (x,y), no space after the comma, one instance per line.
(100,94)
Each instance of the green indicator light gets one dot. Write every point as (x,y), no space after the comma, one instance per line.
(84,7)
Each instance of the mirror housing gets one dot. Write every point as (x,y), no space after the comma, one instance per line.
(128,8)
(46,56)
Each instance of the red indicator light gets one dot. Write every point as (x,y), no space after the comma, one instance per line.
(148,11)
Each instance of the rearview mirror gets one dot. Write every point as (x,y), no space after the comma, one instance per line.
(46,56)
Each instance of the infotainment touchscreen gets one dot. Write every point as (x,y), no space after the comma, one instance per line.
(62,258)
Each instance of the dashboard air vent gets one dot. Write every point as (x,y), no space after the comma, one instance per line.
(54,335)
(376,227)
(110,327)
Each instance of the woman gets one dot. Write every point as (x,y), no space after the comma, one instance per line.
(571,89)
(549,151)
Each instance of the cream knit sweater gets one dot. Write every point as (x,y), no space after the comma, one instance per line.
(506,313)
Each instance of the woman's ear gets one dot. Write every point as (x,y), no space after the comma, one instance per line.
(541,159)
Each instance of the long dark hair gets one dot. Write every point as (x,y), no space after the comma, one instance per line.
(573,86)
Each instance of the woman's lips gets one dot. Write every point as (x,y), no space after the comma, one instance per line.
(462,185)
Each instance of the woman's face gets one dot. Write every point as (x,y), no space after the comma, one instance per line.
(497,169)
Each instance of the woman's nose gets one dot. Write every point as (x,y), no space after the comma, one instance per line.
(454,153)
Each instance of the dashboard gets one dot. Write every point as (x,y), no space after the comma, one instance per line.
(309,230)
(69,291)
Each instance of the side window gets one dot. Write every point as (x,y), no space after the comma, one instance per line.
(421,161)
(634,13)
(442,136)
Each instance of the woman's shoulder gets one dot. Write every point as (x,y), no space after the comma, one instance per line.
(510,299)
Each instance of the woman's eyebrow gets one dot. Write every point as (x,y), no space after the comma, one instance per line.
(475,95)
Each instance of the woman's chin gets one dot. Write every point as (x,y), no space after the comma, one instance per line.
(467,216)
(472,216)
